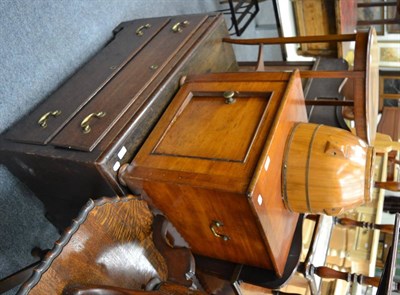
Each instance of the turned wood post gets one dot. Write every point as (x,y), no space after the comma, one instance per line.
(386,228)
(388,185)
(329,273)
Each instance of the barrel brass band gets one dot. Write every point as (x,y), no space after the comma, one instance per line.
(308,168)
(284,167)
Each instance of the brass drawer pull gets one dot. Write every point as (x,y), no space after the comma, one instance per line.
(216,224)
(139,30)
(85,122)
(43,119)
(229,97)
(178,27)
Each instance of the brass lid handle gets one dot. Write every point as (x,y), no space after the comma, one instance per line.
(178,27)
(85,122)
(229,97)
(139,30)
(215,224)
(43,119)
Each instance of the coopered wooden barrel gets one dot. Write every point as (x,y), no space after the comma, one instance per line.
(326,170)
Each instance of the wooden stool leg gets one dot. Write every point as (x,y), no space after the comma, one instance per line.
(386,228)
(329,273)
(388,185)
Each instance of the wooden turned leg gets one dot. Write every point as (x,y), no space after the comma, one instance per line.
(388,185)
(329,273)
(180,261)
(386,228)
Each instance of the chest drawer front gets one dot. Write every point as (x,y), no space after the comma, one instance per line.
(40,126)
(102,112)
(214,224)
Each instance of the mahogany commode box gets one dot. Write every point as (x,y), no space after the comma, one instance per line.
(213,165)
(70,147)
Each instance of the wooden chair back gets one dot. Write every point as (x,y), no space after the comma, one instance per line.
(365,74)
(390,20)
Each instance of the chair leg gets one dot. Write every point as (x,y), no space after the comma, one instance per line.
(329,273)
(180,261)
(388,185)
(386,228)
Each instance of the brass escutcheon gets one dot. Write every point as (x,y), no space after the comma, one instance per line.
(43,119)
(139,30)
(215,224)
(178,27)
(85,122)
(229,97)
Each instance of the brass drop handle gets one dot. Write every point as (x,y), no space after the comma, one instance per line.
(43,119)
(229,97)
(215,224)
(178,27)
(85,122)
(139,30)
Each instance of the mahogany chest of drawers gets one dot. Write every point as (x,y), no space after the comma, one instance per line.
(213,165)
(71,146)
